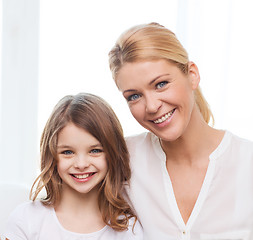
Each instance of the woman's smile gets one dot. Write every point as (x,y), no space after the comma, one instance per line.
(160,97)
(165,117)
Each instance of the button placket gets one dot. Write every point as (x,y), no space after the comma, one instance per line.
(185,235)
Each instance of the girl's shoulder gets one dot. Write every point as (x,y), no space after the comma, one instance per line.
(27,219)
(31,207)
(133,232)
(136,228)
(30,212)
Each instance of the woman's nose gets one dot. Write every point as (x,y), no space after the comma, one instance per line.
(152,104)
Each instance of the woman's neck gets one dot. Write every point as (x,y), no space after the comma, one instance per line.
(197,142)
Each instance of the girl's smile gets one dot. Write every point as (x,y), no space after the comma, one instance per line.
(83,177)
(81,159)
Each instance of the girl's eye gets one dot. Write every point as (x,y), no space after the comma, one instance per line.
(67,152)
(133,97)
(161,84)
(96,150)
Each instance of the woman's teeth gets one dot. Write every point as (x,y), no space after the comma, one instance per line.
(165,117)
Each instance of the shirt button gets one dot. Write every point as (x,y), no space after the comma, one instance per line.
(184,232)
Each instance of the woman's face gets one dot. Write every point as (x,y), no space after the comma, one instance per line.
(159,95)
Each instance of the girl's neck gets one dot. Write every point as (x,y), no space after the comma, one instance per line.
(79,212)
(70,198)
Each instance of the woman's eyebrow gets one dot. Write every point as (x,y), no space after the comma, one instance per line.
(129,90)
(152,81)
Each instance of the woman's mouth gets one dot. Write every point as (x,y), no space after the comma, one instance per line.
(164,117)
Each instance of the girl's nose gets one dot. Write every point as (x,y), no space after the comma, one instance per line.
(81,162)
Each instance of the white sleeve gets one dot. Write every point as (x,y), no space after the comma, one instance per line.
(17,225)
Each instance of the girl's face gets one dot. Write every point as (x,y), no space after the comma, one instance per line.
(81,160)
(159,95)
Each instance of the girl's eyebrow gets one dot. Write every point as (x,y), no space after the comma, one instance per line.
(67,146)
(96,145)
(63,146)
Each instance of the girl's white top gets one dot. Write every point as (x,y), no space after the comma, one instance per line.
(34,221)
(224,208)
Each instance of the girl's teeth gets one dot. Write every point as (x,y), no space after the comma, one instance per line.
(165,117)
(82,176)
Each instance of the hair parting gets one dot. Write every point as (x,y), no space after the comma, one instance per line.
(151,42)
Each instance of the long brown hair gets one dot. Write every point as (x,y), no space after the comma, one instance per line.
(153,42)
(94,115)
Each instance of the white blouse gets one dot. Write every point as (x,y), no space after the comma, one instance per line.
(34,221)
(224,208)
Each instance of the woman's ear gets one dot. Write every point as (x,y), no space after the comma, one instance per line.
(193,74)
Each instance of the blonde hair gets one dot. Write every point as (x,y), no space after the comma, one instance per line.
(153,42)
(94,115)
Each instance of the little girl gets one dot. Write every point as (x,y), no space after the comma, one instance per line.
(84,169)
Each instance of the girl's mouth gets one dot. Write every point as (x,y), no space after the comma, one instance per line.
(82,176)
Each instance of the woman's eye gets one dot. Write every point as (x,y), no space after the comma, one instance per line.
(133,97)
(96,150)
(161,84)
(67,152)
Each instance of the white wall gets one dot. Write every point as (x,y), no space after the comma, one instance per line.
(19,90)
(66,53)
(219,39)
(75,38)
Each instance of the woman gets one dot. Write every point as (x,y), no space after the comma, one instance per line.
(190,180)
